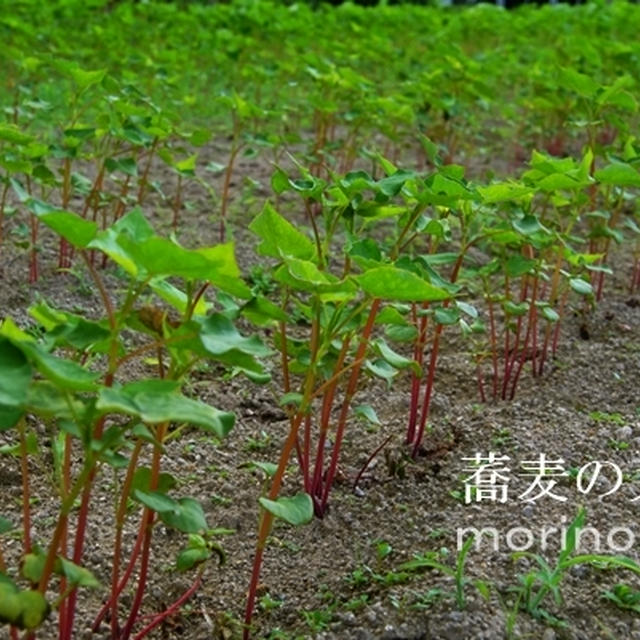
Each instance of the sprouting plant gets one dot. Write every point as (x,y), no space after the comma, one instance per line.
(431,560)
(429,598)
(258,442)
(267,603)
(538,584)
(70,378)
(340,294)
(624,597)
(612,418)
(318,619)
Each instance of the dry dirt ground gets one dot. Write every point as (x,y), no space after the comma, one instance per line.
(340,577)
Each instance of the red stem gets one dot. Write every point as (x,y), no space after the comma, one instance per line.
(325,417)
(63,262)
(556,332)
(146,525)
(135,553)
(171,609)
(267,520)
(428,391)
(144,179)
(346,403)
(434,358)
(545,348)
(369,460)
(117,547)
(142,578)
(525,347)
(634,274)
(3,202)
(225,190)
(303,457)
(494,348)
(33,260)
(70,604)
(480,378)
(418,356)
(509,359)
(177,203)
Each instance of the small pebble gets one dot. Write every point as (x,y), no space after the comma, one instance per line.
(624,433)
(528,510)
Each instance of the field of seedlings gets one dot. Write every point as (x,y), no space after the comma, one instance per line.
(319,322)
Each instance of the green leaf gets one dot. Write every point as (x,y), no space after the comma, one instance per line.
(307,271)
(467,308)
(391,315)
(11,133)
(581,286)
(184,514)
(619,174)
(397,333)
(381,369)
(516,309)
(15,375)
(268,468)
(218,336)
(155,500)
(84,334)
(280,181)
(76,230)
(10,605)
(446,315)
(528,225)
(292,397)
(187,517)
(367,412)
(393,358)
(153,402)
(518,265)
(504,192)
(161,256)
(63,373)
(392,185)
(391,283)
(581,83)
(142,481)
(188,165)
(279,237)
(85,79)
(550,314)
(33,565)
(77,575)
(134,224)
(296,510)
(127,166)
(9,417)
(5,525)
(177,298)
(9,329)
(570,539)
(436,259)
(303,275)
(262,311)
(34,608)
(48,399)
(189,558)
(561,182)
(224,271)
